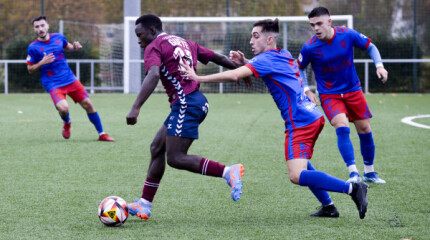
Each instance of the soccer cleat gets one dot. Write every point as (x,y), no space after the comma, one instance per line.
(326,211)
(66,130)
(233,178)
(354,177)
(372,177)
(105,137)
(359,196)
(140,209)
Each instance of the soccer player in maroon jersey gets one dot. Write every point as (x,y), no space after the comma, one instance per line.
(331,53)
(163,54)
(46,54)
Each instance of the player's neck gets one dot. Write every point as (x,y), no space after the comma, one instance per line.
(44,39)
(331,34)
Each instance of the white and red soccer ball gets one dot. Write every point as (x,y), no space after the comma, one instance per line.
(113,211)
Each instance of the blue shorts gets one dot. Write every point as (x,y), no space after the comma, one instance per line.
(186,115)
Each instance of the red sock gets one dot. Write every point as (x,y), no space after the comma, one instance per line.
(150,188)
(211,168)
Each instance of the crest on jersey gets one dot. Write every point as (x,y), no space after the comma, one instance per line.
(343,43)
(362,35)
(300,57)
(319,52)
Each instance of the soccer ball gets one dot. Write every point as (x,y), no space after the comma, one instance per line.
(113,211)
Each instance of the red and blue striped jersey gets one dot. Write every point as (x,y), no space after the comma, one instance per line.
(333,60)
(281,75)
(57,73)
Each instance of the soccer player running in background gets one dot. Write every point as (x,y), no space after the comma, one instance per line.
(163,54)
(303,120)
(331,54)
(46,54)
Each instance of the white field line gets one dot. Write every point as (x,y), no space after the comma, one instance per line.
(408,120)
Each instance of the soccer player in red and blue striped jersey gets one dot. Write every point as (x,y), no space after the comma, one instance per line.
(303,120)
(330,51)
(46,54)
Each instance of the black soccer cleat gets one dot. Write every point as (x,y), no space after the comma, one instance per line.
(359,196)
(326,211)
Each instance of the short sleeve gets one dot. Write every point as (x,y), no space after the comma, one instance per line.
(152,57)
(304,58)
(204,55)
(358,39)
(31,56)
(260,66)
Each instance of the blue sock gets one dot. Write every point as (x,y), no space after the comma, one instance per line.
(367,147)
(95,119)
(66,119)
(323,181)
(321,195)
(345,145)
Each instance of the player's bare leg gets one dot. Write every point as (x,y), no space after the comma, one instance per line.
(177,157)
(142,207)
(87,105)
(341,124)
(63,109)
(367,147)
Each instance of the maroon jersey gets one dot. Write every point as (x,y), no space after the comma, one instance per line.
(167,51)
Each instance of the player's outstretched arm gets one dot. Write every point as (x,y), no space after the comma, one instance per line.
(149,84)
(45,60)
(227,76)
(71,47)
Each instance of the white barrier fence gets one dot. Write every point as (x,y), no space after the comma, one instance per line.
(92,87)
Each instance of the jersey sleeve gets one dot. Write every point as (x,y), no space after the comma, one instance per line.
(260,66)
(358,39)
(204,55)
(152,57)
(63,40)
(304,57)
(31,56)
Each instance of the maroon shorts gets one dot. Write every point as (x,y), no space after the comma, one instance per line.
(353,104)
(75,90)
(301,141)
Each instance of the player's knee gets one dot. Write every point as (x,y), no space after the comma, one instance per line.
(294,178)
(63,110)
(156,149)
(174,161)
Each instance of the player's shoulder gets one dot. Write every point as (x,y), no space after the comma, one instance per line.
(32,44)
(341,30)
(311,41)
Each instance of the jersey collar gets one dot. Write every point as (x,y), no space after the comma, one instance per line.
(47,41)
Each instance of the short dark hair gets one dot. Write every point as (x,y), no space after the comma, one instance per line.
(318,11)
(38,18)
(149,21)
(268,25)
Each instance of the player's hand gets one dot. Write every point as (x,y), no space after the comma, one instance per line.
(382,74)
(47,58)
(76,46)
(188,72)
(132,116)
(248,81)
(238,57)
(312,97)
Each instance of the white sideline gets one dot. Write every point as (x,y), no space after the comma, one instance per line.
(408,120)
